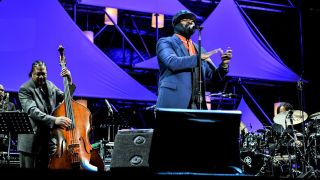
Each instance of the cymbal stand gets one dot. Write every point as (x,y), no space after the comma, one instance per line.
(313,144)
(316,145)
(273,152)
(294,145)
(315,156)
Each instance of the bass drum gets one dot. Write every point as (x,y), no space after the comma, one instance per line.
(251,162)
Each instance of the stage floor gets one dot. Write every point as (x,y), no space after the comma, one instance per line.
(107,175)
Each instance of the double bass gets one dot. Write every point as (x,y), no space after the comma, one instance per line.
(74,150)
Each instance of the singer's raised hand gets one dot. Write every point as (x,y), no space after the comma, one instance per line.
(206,56)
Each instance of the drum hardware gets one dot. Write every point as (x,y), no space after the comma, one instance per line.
(286,153)
(280,157)
(263,169)
(313,149)
(13,162)
(315,116)
(105,149)
(250,142)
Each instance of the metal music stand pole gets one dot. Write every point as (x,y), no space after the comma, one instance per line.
(14,122)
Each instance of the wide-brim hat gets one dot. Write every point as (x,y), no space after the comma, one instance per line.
(183,14)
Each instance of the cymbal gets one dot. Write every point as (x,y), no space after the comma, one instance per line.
(262,130)
(315,116)
(299,116)
(243,127)
(283,118)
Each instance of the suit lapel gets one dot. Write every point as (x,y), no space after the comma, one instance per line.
(51,94)
(37,92)
(196,47)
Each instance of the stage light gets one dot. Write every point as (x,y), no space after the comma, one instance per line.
(113,13)
(160,20)
(89,35)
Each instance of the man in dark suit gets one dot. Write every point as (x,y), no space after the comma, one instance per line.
(177,57)
(5,104)
(39,97)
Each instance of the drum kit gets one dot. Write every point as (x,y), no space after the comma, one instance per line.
(286,149)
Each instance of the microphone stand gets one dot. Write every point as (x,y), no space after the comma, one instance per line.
(200,98)
(301,107)
(110,114)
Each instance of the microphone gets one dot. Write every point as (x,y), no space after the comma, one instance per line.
(194,26)
(7,96)
(300,82)
(151,107)
(109,107)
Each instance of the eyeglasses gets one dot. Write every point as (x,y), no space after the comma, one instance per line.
(187,20)
(38,74)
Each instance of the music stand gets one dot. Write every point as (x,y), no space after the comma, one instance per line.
(14,122)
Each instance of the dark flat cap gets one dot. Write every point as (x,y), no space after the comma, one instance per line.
(182,14)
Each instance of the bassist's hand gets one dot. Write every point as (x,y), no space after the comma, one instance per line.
(62,122)
(66,73)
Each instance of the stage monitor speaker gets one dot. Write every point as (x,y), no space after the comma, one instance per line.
(131,150)
(199,141)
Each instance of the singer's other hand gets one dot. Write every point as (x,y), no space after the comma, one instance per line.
(226,57)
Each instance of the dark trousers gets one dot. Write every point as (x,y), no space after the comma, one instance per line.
(29,160)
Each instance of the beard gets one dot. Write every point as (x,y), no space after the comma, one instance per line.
(185,31)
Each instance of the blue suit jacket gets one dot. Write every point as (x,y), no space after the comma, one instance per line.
(175,81)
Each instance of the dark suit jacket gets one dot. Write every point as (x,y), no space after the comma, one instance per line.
(7,106)
(33,104)
(175,82)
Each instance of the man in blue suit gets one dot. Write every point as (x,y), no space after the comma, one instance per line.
(178,85)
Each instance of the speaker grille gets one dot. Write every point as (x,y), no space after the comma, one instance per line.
(131,149)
